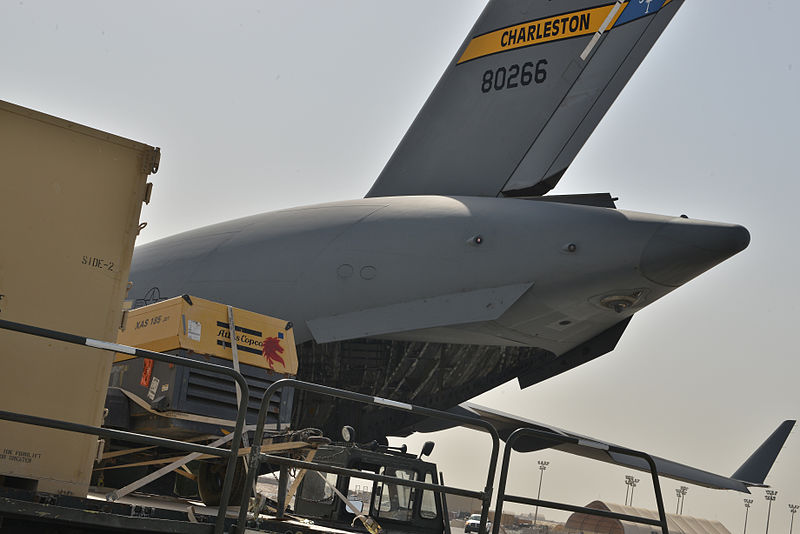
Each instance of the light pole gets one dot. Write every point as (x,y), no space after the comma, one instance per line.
(634,481)
(542,466)
(628,481)
(770,496)
(793,509)
(683,490)
(747,503)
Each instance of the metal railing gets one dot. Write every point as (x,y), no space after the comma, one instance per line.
(561,439)
(231,454)
(256,458)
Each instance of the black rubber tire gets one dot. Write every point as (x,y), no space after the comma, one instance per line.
(210,478)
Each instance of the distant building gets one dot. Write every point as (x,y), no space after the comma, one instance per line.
(677,524)
(463,506)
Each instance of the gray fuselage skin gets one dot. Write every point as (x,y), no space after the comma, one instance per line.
(458,270)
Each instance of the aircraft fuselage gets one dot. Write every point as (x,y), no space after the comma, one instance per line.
(460,293)
(493,271)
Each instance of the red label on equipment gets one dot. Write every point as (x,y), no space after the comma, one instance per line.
(147,372)
(271,351)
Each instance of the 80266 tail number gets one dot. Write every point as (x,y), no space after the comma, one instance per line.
(514,76)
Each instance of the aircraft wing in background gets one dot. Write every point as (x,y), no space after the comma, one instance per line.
(751,474)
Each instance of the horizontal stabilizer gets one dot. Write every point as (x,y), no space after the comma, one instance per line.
(443,310)
(506,424)
(754,471)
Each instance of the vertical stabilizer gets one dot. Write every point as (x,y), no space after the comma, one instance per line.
(522,95)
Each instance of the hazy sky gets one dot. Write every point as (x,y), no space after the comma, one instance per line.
(264,105)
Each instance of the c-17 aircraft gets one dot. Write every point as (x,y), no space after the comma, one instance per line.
(457,272)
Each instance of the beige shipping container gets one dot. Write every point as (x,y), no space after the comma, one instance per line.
(70,200)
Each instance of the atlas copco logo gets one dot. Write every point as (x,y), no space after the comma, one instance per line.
(248,340)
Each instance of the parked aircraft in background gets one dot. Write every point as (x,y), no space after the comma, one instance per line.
(457,273)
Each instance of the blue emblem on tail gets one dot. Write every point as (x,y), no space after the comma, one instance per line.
(639,8)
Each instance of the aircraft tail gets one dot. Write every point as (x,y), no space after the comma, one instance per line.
(522,95)
(754,471)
